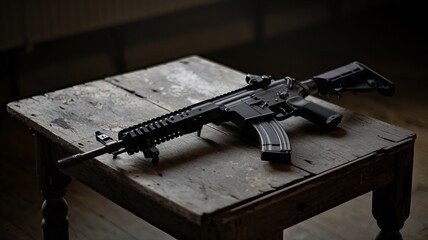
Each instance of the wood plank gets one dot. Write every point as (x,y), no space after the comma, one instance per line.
(352,220)
(316,150)
(17,196)
(10,231)
(92,225)
(88,210)
(310,230)
(180,83)
(75,113)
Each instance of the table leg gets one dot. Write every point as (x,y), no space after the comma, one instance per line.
(53,184)
(391,203)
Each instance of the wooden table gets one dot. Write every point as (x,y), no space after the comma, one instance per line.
(214,186)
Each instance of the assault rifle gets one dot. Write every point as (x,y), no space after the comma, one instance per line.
(260,104)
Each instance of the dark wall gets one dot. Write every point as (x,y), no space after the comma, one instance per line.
(208,29)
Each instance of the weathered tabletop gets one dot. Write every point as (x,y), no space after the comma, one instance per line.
(204,185)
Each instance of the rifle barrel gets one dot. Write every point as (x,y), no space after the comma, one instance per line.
(80,157)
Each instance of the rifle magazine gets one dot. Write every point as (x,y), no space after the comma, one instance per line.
(274,143)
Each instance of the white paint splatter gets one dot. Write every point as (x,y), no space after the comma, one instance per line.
(185,81)
(193,100)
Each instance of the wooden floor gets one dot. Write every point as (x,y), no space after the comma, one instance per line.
(394,50)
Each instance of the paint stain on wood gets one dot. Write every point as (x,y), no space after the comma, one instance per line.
(61,123)
(184,80)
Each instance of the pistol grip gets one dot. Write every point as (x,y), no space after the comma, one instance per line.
(315,113)
(273,139)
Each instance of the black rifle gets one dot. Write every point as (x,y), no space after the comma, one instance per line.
(261,104)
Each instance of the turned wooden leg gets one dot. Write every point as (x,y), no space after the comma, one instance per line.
(53,184)
(391,203)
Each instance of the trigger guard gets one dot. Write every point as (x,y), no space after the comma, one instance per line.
(282,116)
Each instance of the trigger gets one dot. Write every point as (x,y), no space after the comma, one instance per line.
(283,115)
